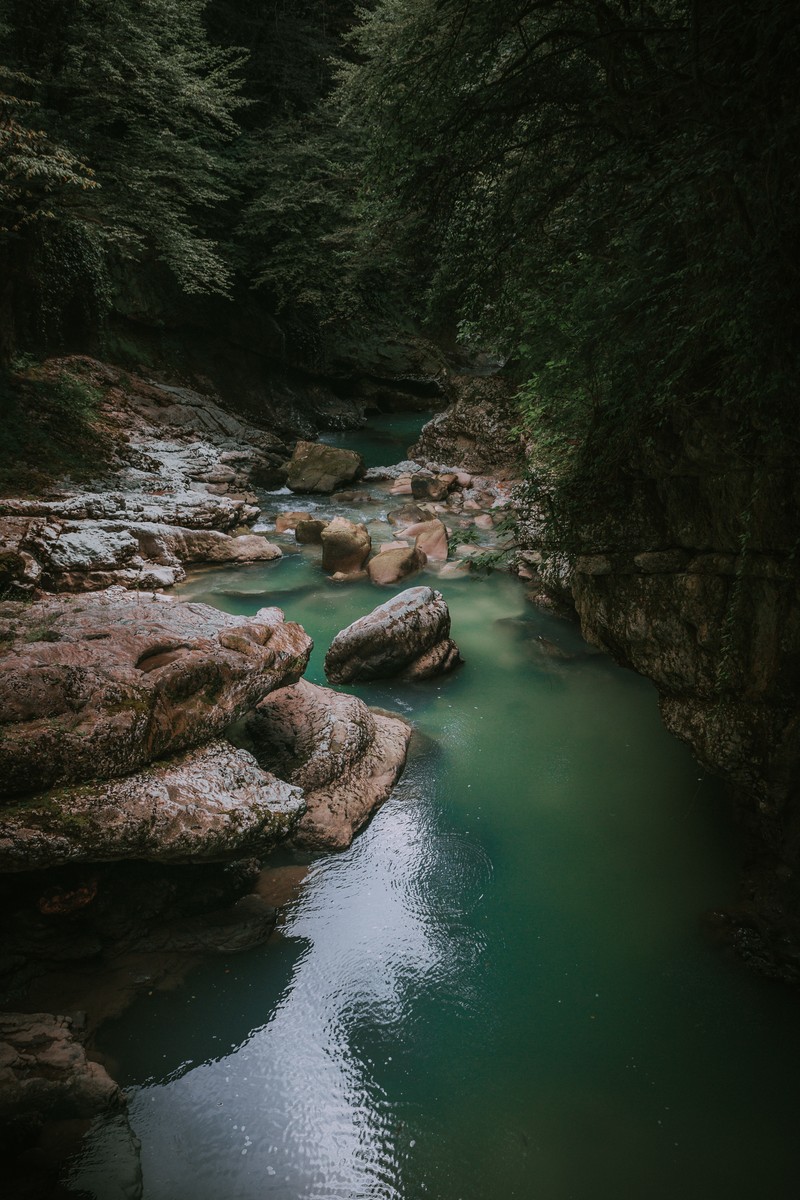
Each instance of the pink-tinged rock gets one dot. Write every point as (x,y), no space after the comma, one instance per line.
(209,805)
(289,520)
(430,537)
(407,636)
(95,686)
(345,756)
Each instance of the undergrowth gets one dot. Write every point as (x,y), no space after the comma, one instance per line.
(50,427)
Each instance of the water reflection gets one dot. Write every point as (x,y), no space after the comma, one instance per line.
(298,1109)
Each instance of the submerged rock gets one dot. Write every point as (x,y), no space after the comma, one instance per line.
(315,467)
(208,805)
(408,636)
(95,686)
(43,1069)
(345,756)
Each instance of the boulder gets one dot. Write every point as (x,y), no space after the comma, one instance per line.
(95,686)
(209,805)
(395,563)
(430,537)
(345,756)
(289,520)
(309,533)
(408,514)
(407,636)
(345,546)
(43,1069)
(315,467)
(428,487)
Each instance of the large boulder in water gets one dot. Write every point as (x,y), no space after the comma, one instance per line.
(408,636)
(345,546)
(345,756)
(96,686)
(395,563)
(430,537)
(315,467)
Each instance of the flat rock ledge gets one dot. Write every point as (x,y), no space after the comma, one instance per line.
(345,756)
(406,637)
(44,1069)
(206,806)
(97,686)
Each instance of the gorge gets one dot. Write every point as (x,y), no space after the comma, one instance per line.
(399,623)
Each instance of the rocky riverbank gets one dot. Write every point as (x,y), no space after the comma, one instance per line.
(132,830)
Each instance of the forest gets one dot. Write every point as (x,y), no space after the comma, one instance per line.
(603,193)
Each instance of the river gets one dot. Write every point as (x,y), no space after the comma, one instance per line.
(501,989)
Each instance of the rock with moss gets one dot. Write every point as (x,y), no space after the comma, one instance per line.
(208,805)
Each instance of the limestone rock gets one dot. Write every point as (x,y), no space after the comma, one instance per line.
(395,563)
(208,805)
(428,487)
(477,431)
(95,686)
(345,546)
(289,520)
(408,636)
(309,533)
(315,467)
(408,514)
(43,1069)
(345,756)
(430,537)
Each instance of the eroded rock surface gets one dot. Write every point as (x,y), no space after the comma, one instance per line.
(477,432)
(395,564)
(345,756)
(408,636)
(208,805)
(99,685)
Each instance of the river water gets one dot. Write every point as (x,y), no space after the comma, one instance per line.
(501,989)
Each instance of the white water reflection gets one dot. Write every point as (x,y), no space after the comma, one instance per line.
(296,1110)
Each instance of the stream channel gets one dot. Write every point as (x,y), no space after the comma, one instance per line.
(502,988)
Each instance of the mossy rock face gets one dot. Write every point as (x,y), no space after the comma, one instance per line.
(94,687)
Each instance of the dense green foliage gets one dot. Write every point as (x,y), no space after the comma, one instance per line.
(604,191)
(121,114)
(609,192)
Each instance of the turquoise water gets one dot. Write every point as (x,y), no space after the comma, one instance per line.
(500,990)
(384,440)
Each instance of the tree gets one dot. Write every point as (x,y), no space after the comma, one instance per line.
(609,191)
(133,111)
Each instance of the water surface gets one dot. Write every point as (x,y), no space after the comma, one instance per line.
(500,990)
